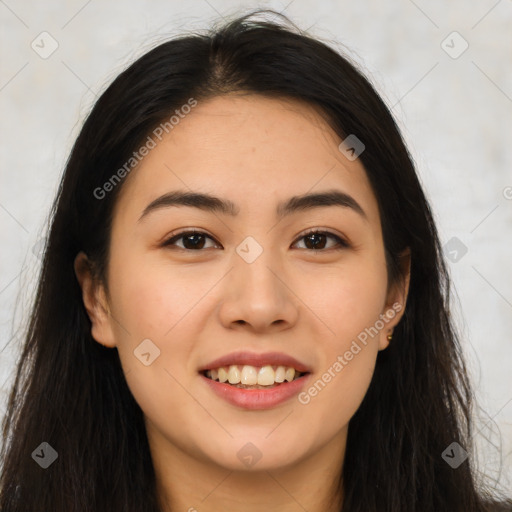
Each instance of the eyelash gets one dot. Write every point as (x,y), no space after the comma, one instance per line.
(342,244)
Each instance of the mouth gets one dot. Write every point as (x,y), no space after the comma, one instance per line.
(253,377)
(254,381)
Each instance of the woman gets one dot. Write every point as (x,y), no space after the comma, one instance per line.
(243,304)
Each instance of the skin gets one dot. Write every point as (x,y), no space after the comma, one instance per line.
(198,305)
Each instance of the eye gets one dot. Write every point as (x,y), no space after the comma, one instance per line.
(192,240)
(316,240)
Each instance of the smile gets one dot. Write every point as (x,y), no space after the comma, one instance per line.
(253,377)
(255,381)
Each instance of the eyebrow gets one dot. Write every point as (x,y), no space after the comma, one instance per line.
(210,203)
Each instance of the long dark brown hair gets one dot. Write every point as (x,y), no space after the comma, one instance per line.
(70,391)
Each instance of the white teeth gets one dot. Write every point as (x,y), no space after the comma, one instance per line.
(233,374)
(223,375)
(266,376)
(290,373)
(280,374)
(248,375)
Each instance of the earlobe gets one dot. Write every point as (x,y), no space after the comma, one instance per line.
(95,302)
(396,300)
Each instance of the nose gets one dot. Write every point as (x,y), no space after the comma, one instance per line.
(257,297)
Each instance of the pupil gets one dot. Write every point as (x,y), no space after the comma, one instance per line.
(315,244)
(195,245)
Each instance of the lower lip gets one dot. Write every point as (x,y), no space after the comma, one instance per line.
(257,399)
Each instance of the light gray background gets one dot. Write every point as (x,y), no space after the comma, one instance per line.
(455,113)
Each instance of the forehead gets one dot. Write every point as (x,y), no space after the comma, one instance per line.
(248,148)
(239,130)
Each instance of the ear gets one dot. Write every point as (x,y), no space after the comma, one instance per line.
(396,300)
(95,302)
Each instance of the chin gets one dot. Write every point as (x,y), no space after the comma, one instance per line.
(253,453)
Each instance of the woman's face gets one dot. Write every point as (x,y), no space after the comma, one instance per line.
(251,290)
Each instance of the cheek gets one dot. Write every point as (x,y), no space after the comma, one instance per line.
(334,396)
(350,304)
(348,354)
(350,300)
(164,303)
(151,299)
(157,304)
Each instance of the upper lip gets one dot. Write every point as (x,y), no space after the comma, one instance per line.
(249,358)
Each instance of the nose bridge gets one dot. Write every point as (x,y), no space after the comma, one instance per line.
(256,291)
(257,268)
